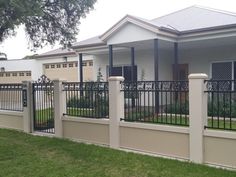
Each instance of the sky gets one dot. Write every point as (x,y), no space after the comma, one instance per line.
(106,13)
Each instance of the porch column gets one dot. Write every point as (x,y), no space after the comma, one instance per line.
(81,72)
(110,59)
(176,62)
(156,72)
(132,74)
(132,64)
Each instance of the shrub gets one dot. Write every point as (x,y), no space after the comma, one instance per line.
(82,102)
(177,108)
(101,106)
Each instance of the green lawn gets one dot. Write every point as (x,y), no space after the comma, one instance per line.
(23,155)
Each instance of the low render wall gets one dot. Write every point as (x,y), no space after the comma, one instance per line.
(87,130)
(11,119)
(220,148)
(158,139)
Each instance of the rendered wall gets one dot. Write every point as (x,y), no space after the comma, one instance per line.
(162,140)
(12,120)
(87,130)
(220,150)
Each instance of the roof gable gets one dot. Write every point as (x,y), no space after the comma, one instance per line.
(129,19)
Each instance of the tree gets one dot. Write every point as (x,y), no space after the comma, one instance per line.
(45,21)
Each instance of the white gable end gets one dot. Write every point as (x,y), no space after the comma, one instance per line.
(130,33)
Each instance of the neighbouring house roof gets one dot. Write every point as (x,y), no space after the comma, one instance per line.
(188,20)
(56,52)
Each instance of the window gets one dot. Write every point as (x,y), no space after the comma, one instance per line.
(71,65)
(58,66)
(22,74)
(64,65)
(91,63)
(28,74)
(46,66)
(8,74)
(84,63)
(1,75)
(222,71)
(52,66)
(76,64)
(124,71)
(14,74)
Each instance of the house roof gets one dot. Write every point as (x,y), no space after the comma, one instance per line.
(188,20)
(56,52)
(195,18)
(94,40)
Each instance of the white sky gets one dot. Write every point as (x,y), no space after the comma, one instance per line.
(107,13)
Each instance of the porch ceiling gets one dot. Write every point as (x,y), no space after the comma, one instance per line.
(166,45)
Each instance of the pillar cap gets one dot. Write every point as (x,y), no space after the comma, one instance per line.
(198,76)
(116,78)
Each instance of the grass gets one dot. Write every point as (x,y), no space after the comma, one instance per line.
(24,155)
(86,112)
(176,119)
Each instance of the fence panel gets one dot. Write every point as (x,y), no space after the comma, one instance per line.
(88,99)
(164,102)
(221,104)
(11,97)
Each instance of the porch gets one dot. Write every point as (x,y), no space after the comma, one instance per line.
(158,59)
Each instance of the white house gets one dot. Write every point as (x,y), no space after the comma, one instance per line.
(192,40)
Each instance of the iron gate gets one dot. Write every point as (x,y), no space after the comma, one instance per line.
(43,105)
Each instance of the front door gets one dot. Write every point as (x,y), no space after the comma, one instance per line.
(182,72)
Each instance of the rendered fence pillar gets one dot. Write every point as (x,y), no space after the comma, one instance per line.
(59,107)
(116,110)
(27,106)
(197,115)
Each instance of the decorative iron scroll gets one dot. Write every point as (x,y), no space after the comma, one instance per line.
(169,86)
(220,85)
(43,80)
(76,86)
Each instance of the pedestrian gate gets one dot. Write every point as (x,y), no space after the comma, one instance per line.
(43,105)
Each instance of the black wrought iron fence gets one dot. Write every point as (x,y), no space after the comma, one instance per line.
(164,102)
(221,104)
(11,97)
(88,99)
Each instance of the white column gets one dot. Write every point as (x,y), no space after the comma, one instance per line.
(27,106)
(59,107)
(116,110)
(197,115)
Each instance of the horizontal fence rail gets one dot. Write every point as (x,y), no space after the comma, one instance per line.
(164,102)
(221,104)
(11,97)
(87,99)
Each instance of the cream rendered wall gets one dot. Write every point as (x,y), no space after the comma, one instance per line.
(143,59)
(11,119)
(87,130)
(162,140)
(220,151)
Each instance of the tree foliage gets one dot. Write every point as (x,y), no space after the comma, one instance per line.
(45,21)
